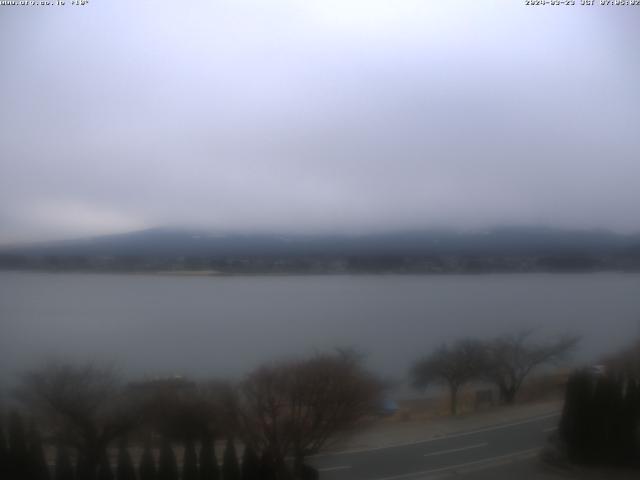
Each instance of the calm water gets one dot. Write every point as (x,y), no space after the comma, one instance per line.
(211,326)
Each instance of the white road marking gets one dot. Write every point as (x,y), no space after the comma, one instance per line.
(435,439)
(461,465)
(452,450)
(332,469)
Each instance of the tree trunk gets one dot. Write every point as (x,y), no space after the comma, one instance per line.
(508,395)
(454,399)
(87,465)
(281,469)
(298,462)
(302,471)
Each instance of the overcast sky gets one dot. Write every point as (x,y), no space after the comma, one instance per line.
(317,116)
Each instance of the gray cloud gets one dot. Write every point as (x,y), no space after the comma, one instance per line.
(316,116)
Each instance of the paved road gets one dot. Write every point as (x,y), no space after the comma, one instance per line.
(432,458)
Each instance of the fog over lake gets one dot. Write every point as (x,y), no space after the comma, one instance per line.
(224,326)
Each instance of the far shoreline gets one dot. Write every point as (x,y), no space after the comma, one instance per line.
(219,274)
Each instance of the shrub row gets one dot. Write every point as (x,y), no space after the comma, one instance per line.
(22,457)
(601,419)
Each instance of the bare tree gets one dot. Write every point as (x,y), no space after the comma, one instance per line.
(626,362)
(295,408)
(184,410)
(83,405)
(452,366)
(511,358)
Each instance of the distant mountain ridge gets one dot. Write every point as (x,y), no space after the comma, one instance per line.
(169,247)
(187,242)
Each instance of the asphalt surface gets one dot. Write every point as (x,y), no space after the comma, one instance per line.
(461,453)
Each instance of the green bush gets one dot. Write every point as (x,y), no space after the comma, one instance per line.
(125,469)
(250,464)
(104,468)
(190,462)
(4,454)
(167,465)
(208,462)
(147,464)
(63,469)
(600,421)
(38,469)
(230,466)
(18,464)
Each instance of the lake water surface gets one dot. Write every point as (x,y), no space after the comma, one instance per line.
(224,326)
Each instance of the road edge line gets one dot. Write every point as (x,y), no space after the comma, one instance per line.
(485,462)
(435,439)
